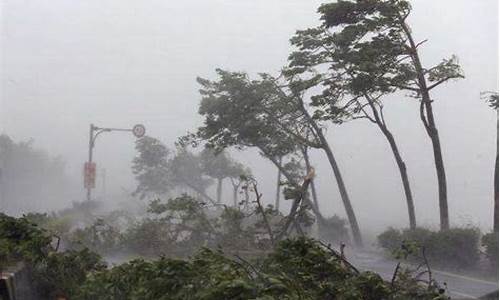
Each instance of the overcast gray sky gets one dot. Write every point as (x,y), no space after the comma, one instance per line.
(115,63)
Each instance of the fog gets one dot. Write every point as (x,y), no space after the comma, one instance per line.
(66,64)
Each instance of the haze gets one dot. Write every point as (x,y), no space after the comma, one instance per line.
(66,64)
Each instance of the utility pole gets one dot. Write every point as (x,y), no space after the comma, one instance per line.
(90,168)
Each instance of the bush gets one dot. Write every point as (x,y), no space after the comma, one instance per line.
(490,243)
(61,272)
(333,229)
(456,248)
(297,269)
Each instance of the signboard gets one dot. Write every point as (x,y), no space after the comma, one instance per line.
(139,130)
(89,175)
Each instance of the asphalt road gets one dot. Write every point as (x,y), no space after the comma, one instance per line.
(458,286)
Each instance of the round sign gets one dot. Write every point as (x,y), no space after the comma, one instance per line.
(139,130)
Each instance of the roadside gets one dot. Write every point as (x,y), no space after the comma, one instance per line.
(458,286)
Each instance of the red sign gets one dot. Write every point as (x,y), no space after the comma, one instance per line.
(89,175)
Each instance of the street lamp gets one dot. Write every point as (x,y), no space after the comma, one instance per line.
(89,171)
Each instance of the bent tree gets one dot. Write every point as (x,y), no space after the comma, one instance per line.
(332,61)
(260,113)
(379,29)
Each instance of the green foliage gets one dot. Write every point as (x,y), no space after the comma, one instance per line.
(296,269)
(454,248)
(490,242)
(22,240)
(100,237)
(64,272)
(150,167)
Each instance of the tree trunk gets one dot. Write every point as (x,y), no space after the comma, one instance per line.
(427,117)
(379,120)
(404,177)
(235,195)
(278,187)
(440,170)
(351,216)
(219,190)
(495,184)
(315,203)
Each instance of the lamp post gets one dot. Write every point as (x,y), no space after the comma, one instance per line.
(90,169)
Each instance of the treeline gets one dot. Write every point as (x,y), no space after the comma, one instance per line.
(30,179)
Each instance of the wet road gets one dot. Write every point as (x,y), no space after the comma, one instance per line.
(459,286)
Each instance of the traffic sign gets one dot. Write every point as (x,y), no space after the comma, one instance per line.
(139,130)
(89,175)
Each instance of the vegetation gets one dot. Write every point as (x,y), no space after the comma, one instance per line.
(455,248)
(30,173)
(490,242)
(298,268)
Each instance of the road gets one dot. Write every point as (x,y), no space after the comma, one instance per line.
(459,286)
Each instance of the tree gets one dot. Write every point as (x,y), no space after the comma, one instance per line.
(220,165)
(30,179)
(159,172)
(187,171)
(233,113)
(264,114)
(151,168)
(492,100)
(381,56)
(321,61)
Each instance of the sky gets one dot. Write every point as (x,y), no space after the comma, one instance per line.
(115,63)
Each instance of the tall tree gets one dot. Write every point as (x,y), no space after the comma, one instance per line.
(321,62)
(373,36)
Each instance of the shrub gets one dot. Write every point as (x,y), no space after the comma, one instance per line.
(490,243)
(297,269)
(390,239)
(333,229)
(453,248)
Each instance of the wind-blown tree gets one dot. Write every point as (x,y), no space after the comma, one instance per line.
(187,171)
(151,168)
(492,100)
(158,171)
(287,109)
(371,44)
(320,62)
(258,113)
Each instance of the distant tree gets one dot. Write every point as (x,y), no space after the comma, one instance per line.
(151,168)
(220,166)
(159,171)
(30,179)
(492,100)
(378,54)
(187,170)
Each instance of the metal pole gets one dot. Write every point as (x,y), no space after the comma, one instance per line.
(91,146)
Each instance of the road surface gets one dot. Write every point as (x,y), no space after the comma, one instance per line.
(459,286)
